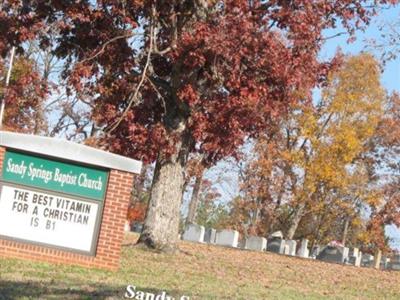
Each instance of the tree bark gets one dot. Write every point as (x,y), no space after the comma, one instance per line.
(161,226)
(296,221)
(194,201)
(345,231)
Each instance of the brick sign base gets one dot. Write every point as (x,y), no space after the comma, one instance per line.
(110,237)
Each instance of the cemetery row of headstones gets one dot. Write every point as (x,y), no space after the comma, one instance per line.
(334,253)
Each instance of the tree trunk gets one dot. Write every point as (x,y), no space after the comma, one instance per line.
(274,214)
(296,221)
(345,231)
(194,202)
(161,226)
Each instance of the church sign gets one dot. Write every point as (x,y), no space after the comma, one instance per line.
(51,202)
(63,199)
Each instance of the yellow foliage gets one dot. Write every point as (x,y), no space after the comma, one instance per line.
(336,133)
(311,165)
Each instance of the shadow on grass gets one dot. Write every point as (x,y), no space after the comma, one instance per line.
(35,290)
(10,290)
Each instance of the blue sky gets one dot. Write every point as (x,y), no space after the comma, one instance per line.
(390,76)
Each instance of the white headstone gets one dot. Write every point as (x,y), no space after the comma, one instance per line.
(209,235)
(292,244)
(277,234)
(354,258)
(307,253)
(303,251)
(354,252)
(194,233)
(286,249)
(127,227)
(256,243)
(227,238)
(345,254)
(358,259)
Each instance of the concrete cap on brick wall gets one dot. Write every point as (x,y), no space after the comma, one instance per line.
(69,151)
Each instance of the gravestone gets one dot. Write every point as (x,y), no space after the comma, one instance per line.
(127,227)
(256,243)
(352,260)
(63,202)
(209,235)
(354,252)
(276,244)
(303,250)
(286,249)
(358,259)
(291,245)
(385,263)
(137,227)
(345,254)
(355,256)
(277,234)
(367,260)
(335,254)
(228,238)
(395,262)
(315,251)
(194,233)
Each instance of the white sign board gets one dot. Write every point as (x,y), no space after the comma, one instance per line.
(47,218)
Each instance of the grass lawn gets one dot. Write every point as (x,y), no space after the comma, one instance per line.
(200,272)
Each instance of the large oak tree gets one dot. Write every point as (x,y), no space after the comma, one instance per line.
(170,78)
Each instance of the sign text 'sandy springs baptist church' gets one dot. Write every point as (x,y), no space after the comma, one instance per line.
(54,175)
